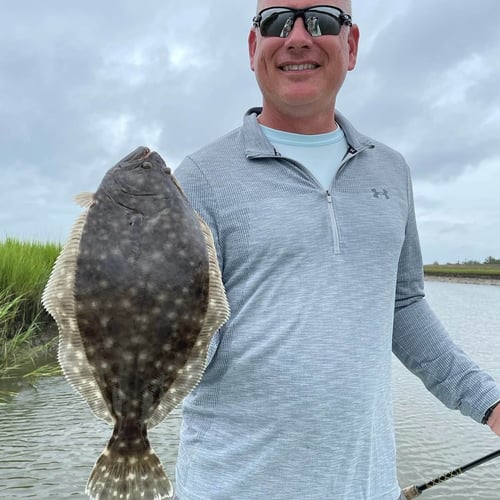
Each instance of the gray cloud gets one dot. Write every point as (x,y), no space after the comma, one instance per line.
(84,83)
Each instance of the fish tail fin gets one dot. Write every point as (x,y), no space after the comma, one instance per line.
(130,474)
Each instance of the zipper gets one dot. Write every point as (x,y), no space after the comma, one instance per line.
(351,153)
(334,225)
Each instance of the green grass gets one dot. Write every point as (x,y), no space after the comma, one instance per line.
(466,270)
(27,334)
(24,270)
(24,356)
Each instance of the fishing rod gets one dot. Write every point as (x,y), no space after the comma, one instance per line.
(415,491)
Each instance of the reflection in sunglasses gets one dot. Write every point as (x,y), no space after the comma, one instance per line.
(313,26)
(287,28)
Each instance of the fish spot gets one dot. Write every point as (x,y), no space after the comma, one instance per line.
(105,321)
(108,343)
(128,356)
(125,303)
(157,256)
(137,339)
(144,356)
(167,347)
(104,365)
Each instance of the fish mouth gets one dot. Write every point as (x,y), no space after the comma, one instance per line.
(134,158)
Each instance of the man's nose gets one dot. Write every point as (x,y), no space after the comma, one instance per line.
(298,36)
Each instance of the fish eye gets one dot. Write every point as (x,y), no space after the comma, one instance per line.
(147,165)
(167,170)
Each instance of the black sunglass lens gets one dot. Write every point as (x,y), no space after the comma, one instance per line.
(279,22)
(276,24)
(320,23)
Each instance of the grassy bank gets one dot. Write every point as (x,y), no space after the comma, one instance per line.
(24,269)
(486,271)
(27,334)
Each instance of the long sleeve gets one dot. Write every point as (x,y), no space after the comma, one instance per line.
(422,344)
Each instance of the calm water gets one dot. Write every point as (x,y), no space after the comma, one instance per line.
(49,440)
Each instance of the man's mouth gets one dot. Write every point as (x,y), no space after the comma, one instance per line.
(298,67)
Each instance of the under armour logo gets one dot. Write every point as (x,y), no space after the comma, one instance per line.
(378,194)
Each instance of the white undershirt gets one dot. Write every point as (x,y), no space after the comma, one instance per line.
(321,154)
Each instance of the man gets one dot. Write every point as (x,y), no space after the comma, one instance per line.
(316,237)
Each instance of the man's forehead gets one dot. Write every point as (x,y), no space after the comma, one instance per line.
(300,4)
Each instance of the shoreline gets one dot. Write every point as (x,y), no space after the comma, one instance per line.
(468,280)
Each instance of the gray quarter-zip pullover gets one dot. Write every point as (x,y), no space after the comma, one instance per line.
(323,285)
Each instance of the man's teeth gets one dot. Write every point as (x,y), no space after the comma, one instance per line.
(298,67)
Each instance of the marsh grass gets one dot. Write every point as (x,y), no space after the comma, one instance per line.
(22,355)
(24,270)
(491,271)
(26,350)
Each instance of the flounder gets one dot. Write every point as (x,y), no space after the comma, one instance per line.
(137,295)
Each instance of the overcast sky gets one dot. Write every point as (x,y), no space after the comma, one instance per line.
(84,83)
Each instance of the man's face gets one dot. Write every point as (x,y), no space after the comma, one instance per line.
(288,87)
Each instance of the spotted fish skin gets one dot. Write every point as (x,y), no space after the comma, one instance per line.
(137,295)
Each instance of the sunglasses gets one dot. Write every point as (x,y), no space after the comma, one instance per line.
(318,20)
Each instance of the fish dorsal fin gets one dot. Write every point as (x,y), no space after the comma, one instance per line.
(59,300)
(217,314)
(85,200)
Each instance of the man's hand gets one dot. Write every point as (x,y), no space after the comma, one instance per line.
(494,420)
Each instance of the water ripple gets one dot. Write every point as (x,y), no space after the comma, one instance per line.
(49,439)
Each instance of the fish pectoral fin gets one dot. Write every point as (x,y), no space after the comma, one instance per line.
(85,200)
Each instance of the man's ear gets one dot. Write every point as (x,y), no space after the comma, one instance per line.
(353,42)
(252,44)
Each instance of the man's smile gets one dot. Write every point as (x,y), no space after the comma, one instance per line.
(298,67)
